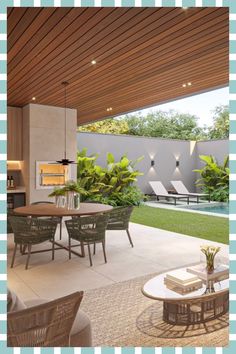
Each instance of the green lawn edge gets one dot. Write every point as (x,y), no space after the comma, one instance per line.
(207,227)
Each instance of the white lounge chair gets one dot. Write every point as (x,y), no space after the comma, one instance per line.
(160,191)
(181,189)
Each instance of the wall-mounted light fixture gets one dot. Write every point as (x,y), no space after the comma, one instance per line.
(177,163)
(152,163)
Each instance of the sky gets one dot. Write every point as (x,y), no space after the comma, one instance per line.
(200,105)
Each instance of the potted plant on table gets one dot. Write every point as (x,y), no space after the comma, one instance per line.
(68,196)
(59,195)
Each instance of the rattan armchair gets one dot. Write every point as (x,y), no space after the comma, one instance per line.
(32,231)
(45,325)
(88,230)
(58,219)
(119,220)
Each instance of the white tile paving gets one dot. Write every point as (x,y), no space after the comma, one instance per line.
(154,250)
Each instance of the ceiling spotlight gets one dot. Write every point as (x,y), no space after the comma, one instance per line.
(33,98)
(189,84)
(93,62)
(109,109)
(184,85)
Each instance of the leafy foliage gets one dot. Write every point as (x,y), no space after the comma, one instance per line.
(220,129)
(214,178)
(108,126)
(70,186)
(164,124)
(113,184)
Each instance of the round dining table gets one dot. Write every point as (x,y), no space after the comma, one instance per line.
(50,210)
(41,209)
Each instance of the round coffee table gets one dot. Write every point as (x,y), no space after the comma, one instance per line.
(191,308)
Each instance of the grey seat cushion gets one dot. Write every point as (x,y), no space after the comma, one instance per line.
(13,302)
(81,333)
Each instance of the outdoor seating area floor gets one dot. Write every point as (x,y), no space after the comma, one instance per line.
(154,251)
(122,316)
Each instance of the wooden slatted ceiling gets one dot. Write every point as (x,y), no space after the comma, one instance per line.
(143,56)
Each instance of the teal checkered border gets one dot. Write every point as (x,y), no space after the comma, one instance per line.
(3,149)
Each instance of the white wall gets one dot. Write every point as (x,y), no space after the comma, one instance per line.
(43,130)
(217,148)
(163,151)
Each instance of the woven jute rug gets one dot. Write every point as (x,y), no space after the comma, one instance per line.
(122,316)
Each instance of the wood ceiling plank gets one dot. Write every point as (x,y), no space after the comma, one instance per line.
(125,53)
(39,21)
(112,100)
(53,59)
(57,84)
(143,55)
(40,39)
(185,74)
(154,100)
(87,93)
(13,17)
(63,61)
(148,74)
(23,25)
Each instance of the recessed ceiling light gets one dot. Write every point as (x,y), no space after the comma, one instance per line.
(109,109)
(189,84)
(184,85)
(33,98)
(93,62)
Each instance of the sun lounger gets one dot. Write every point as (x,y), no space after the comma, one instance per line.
(181,189)
(160,191)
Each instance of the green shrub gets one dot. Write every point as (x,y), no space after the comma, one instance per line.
(214,178)
(113,184)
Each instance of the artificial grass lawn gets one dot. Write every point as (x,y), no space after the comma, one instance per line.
(203,226)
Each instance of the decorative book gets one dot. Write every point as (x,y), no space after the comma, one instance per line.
(181,277)
(221,272)
(183,288)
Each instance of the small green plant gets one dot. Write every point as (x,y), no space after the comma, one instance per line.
(214,178)
(57,192)
(70,186)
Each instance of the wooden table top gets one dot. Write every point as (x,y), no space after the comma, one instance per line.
(52,210)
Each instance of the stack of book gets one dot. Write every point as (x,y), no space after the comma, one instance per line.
(182,282)
(221,272)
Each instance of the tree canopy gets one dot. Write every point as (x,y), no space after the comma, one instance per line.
(220,128)
(164,124)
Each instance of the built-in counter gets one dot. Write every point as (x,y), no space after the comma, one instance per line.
(16,190)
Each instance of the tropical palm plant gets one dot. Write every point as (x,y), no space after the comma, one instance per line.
(214,178)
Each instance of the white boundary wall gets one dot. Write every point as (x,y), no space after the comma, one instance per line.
(164,152)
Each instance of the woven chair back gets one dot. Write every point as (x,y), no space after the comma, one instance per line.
(119,218)
(46,325)
(32,230)
(88,228)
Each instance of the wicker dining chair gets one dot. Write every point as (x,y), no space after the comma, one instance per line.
(45,325)
(58,219)
(119,220)
(88,230)
(32,231)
